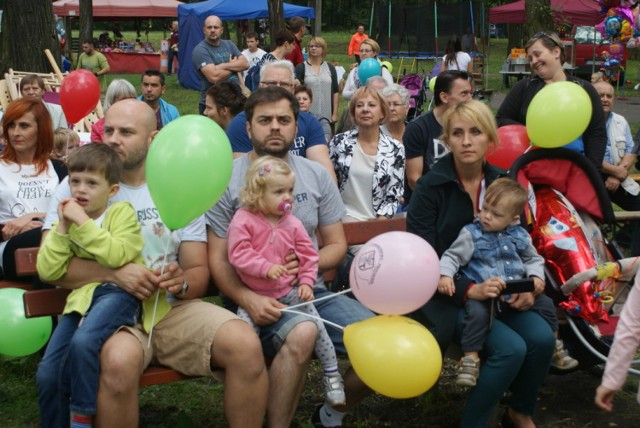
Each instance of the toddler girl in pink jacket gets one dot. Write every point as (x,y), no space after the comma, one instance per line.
(260,236)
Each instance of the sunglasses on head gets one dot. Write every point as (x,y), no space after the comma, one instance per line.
(543,35)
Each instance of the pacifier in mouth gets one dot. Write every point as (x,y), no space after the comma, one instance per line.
(285,206)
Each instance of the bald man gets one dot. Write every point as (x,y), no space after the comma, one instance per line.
(216,59)
(194,337)
(618,160)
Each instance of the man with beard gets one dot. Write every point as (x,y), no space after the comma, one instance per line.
(191,336)
(152,91)
(287,337)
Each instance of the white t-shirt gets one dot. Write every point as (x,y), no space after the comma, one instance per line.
(22,192)
(154,232)
(461,62)
(252,57)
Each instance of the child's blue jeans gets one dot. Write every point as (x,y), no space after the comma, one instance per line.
(69,372)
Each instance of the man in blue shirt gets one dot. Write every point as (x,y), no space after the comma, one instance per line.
(309,141)
(152,83)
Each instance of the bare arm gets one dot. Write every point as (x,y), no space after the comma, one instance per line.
(215,73)
(192,267)
(628,161)
(320,154)
(413,169)
(237,64)
(334,246)
(218,72)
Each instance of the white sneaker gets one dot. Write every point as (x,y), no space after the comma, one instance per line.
(334,389)
(561,359)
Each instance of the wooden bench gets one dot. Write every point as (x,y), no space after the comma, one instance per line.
(51,302)
(25,266)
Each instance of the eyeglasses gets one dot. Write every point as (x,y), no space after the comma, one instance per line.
(276,83)
(366,50)
(396,105)
(315,47)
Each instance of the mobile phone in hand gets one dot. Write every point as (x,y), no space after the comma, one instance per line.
(516,286)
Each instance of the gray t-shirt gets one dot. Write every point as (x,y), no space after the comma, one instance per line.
(317,201)
(205,54)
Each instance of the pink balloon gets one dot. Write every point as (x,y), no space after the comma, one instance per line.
(395,273)
(514,141)
(79,95)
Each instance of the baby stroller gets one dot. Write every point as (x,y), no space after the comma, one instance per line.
(415,84)
(569,216)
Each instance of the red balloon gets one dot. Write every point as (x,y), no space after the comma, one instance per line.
(79,95)
(514,141)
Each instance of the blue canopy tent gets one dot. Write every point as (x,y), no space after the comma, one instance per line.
(191,21)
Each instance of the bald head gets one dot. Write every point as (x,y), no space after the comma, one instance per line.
(136,111)
(212,30)
(129,128)
(606,93)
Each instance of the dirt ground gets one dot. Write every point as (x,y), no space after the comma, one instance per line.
(565,401)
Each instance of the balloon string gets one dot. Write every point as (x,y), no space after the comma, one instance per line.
(331,296)
(329,323)
(528,148)
(155,304)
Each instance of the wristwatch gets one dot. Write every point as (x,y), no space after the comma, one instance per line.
(184,289)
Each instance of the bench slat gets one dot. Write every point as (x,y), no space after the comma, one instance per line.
(25,266)
(44,303)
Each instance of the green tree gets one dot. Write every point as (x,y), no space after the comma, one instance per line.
(539,17)
(86,23)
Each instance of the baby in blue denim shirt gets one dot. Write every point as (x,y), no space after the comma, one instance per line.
(490,251)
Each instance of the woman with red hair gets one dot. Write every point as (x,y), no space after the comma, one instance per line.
(28,177)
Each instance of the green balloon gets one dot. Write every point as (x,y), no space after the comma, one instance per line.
(558,114)
(20,336)
(188,168)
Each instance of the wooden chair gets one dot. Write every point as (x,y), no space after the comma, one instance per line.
(5,96)
(51,81)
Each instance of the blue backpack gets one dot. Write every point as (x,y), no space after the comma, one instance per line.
(252,79)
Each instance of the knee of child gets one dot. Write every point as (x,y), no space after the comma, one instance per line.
(46,377)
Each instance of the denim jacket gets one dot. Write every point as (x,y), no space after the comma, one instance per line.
(480,255)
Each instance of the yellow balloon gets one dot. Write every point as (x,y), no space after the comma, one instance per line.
(432,84)
(393,355)
(558,114)
(387,65)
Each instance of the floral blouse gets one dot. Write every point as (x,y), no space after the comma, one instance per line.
(388,174)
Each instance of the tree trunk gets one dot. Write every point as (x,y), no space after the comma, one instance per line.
(27,30)
(276,19)
(539,17)
(86,23)
(317,24)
